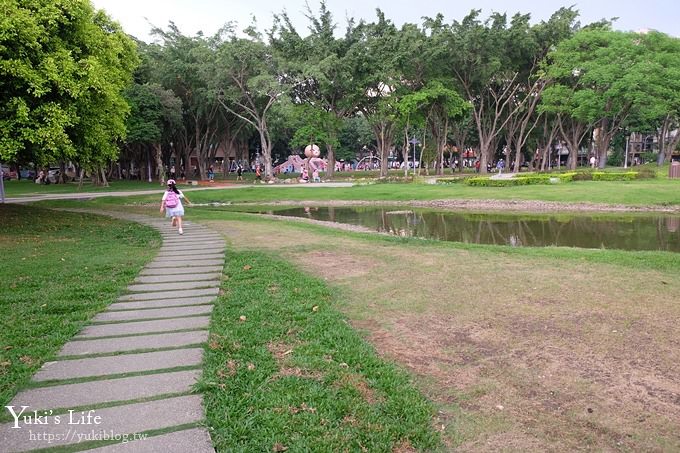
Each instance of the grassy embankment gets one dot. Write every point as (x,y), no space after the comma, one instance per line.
(57,270)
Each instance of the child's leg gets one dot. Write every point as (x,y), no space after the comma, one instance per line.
(179,223)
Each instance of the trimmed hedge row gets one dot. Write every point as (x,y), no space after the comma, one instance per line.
(552,178)
(458,180)
(587,175)
(604,176)
(520,180)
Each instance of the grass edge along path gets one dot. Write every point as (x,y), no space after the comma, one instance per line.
(58,270)
(284,370)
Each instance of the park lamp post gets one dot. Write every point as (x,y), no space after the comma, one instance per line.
(414,141)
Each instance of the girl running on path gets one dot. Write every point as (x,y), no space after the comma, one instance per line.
(172,203)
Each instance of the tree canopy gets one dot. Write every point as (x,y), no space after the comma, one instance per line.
(499,83)
(63,69)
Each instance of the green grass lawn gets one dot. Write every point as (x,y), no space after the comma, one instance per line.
(57,270)
(651,192)
(26,188)
(284,370)
(658,193)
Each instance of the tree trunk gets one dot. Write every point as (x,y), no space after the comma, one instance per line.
(384,154)
(487,150)
(62,173)
(572,132)
(383,132)
(405,149)
(604,137)
(666,146)
(483,160)
(268,167)
(160,168)
(267,146)
(104,181)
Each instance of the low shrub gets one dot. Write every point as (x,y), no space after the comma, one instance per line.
(606,176)
(457,180)
(646,173)
(525,180)
(568,176)
(583,176)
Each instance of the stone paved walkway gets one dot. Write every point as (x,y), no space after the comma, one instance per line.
(135,365)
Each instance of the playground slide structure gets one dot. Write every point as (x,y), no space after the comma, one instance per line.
(295,164)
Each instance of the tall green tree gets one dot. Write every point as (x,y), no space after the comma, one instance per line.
(248,80)
(478,55)
(63,68)
(604,77)
(438,106)
(495,63)
(182,64)
(659,102)
(377,74)
(318,70)
(155,116)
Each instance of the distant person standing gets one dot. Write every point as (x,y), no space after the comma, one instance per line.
(171,203)
(211,174)
(258,173)
(500,166)
(172,172)
(239,173)
(593,161)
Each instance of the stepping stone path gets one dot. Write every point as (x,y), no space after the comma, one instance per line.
(134,367)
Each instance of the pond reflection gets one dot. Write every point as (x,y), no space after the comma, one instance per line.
(517,230)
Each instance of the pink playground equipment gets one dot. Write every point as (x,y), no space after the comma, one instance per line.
(294,164)
(312,164)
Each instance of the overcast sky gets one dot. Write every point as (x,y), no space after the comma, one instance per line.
(207,16)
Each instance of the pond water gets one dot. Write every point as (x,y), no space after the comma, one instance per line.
(632,232)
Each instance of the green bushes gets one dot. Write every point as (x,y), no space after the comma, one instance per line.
(522,180)
(639,173)
(568,176)
(646,173)
(534,179)
(583,176)
(451,180)
(605,176)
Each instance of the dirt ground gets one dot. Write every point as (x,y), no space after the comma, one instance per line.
(518,353)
